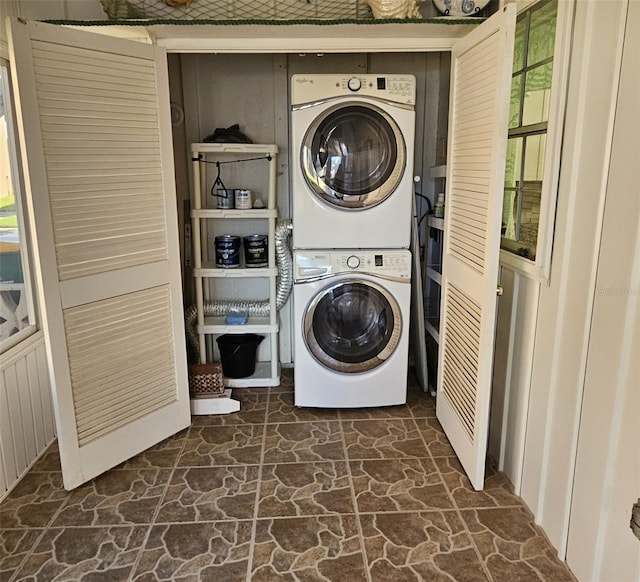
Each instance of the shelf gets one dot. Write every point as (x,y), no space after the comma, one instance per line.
(310,36)
(233,148)
(434,275)
(438,171)
(261,377)
(214,272)
(433,269)
(217,325)
(219,214)
(218,405)
(222,282)
(432,329)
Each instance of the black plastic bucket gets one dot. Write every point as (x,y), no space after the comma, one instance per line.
(238,354)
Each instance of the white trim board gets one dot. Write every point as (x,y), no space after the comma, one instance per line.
(294,38)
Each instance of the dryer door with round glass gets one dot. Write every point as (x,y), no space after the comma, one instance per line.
(353,156)
(352,326)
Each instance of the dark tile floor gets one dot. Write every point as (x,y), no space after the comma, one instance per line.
(278,493)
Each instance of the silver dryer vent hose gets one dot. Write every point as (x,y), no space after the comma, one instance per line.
(284,282)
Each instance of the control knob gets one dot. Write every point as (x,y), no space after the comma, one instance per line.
(354,84)
(353,262)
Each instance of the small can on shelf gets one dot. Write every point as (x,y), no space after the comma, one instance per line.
(225,198)
(243,199)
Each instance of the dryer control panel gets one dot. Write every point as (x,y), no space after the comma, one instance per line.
(394,88)
(316,264)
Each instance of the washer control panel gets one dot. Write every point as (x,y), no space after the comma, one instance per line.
(311,88)
(316,264)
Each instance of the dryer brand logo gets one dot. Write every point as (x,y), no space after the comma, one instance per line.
(304,81)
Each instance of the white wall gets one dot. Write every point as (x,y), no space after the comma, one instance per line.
(6,9)
(515,335)
(575,392)
(607,481)
(565,305)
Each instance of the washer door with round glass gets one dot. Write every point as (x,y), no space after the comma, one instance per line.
(353,156)
(352,326)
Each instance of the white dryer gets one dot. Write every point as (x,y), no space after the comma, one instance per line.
(351,327)
(352,142)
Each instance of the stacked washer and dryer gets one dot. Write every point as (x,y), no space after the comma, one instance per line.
(352,140)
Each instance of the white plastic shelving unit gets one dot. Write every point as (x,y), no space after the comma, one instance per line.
(433,284)
(433,270)
(208,222)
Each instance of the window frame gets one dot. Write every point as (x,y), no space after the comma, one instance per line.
(540,268)
(15,168)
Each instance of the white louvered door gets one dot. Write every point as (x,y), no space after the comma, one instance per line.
(96,139)
(481,67)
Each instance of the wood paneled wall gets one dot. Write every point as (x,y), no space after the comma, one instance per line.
(27,424)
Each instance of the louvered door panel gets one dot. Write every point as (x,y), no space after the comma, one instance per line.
(95,125)
(479,106)
(461,357)
(103,218)
(473,137)
(121,361)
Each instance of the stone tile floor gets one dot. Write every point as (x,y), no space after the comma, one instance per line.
(278,493)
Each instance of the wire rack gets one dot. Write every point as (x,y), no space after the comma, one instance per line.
(238,9)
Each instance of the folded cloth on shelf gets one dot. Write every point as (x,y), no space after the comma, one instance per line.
(231,134)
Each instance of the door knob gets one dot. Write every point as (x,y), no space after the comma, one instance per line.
(500,291)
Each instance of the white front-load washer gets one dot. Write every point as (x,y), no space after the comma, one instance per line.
(352,142)
(351,327)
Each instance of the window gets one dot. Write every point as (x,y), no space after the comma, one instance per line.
(528,120)
(16,306)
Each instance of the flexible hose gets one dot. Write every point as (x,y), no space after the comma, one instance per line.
(284,283)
